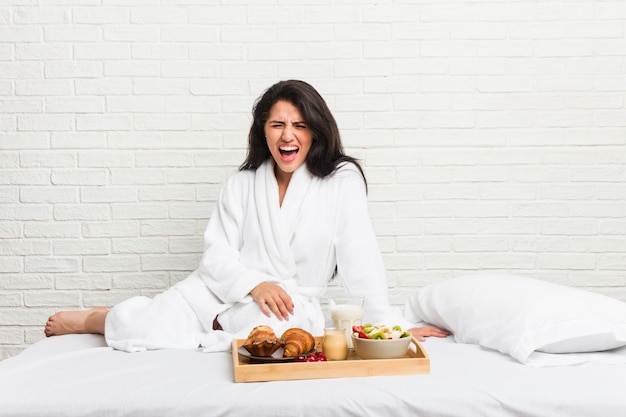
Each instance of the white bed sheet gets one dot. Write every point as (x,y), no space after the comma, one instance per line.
(78,375)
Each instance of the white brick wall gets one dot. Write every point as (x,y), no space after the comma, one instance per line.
(493,134)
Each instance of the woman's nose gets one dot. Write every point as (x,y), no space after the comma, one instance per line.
(287,134)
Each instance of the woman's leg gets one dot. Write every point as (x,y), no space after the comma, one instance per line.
(163,322)
(75,322)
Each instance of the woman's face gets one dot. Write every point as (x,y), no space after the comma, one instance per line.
(288,138)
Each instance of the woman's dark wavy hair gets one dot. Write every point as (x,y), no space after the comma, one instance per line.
(326,152)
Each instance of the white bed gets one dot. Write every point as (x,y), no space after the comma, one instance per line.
(78,375)
(501,361)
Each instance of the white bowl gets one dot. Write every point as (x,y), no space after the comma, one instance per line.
(381,349)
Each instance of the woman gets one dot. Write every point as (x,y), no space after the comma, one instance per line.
(292,217)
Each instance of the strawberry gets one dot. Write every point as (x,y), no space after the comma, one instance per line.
(357,329)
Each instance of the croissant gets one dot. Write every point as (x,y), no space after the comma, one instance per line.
(262,341)
(297,342)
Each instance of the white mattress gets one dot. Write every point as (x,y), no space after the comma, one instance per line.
(78,375)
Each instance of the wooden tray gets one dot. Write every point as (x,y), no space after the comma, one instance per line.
(416,361)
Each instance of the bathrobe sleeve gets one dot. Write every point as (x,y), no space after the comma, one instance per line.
(221,268)
(359,261)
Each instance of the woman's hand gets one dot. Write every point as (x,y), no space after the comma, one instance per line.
(421,332)
(274,298)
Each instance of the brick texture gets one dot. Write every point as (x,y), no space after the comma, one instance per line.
(492,134)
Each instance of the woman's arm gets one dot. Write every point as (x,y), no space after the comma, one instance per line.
(221,267)
(360,263)
(421,332)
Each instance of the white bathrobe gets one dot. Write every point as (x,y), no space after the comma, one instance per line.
(250,238)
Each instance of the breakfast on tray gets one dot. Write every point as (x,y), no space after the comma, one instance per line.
(369,331)
(320,360)
(297,342)
(380,342)
(263,342)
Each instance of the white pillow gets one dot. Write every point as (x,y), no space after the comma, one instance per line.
(520,315)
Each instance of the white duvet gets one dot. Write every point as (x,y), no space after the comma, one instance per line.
(78,375)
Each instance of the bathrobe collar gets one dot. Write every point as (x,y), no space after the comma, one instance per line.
(278,224)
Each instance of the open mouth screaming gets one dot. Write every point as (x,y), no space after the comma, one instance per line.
(288,152)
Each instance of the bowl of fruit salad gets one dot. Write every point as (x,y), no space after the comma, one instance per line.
(380,342)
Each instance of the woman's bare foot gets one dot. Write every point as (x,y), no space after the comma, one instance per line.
(76,322)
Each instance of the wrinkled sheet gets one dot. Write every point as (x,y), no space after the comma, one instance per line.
(78,375)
